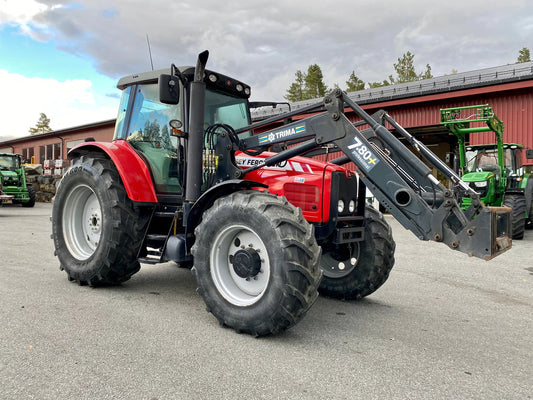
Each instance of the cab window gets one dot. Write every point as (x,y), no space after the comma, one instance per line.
(149,132)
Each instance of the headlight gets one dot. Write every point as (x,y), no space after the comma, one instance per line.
(481,184)
(351,206)
(340,206)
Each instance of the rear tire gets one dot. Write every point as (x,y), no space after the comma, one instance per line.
(518,214)
(256,262)
(353,271)
(96,228)
(529,198)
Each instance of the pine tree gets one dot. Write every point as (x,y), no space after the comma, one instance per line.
(314,82)
(523,55)
(373,85)
(405,70)
(354,84)
(426,74)
(42,125)
(165,138)
(297,88)
(307,86)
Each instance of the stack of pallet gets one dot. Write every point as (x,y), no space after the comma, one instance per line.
(44,185)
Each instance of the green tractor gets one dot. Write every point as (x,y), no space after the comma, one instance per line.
(493,170)
(13,177)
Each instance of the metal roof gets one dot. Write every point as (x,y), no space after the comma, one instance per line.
(446,83)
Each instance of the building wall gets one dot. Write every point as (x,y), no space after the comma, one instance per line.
(55,145)
(513,106)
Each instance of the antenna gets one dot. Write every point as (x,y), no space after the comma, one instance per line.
(150,52)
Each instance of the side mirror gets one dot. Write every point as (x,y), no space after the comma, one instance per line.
(169,89)
(529,154)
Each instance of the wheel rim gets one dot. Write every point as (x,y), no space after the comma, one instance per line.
(338,263)
(82,222)
(235,288)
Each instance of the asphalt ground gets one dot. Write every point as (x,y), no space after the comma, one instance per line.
(444,326)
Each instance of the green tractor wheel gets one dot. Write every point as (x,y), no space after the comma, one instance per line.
(31,201)
(529,202)
(518,214)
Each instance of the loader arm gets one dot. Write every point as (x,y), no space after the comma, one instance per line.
(397,178)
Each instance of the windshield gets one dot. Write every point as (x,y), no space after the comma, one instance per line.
(223,108)
(8,163)
(486,159)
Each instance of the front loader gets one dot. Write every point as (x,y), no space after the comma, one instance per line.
(189,179)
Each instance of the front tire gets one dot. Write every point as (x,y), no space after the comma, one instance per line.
(97,230)
(256,262)
(517,203)
(31,194)
(355,270)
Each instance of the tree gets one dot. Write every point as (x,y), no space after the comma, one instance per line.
(426,74)
(523,55)
(405,70)
(354,83)
(165,138)
(314,82)
(307,86)
(373,85)
(42,125)
(297,88)
(151,131)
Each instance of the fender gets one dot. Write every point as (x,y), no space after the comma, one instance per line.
(132,169)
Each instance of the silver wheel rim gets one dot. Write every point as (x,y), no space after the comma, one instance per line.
(82,222)
(335,266)
(236,290)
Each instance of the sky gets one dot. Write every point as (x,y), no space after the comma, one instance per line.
(64,58)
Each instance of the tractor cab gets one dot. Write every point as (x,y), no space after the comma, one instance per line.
(158,130)
(485,175)
(9,169)
(485,158)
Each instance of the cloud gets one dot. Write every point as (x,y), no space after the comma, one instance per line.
(20,12)
(264,43)
(68,103)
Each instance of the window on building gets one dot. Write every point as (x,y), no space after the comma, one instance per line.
(56,151)
(27,155)
(42,154)
(73,143)
(49,152)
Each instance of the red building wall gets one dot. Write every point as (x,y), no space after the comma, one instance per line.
(63,140)
(511,103)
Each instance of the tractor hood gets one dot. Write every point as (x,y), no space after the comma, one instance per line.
(8,173)
(477,176)
(9,178)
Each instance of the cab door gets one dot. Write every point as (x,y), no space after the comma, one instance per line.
(149,132)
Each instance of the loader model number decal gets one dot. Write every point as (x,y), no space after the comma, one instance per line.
(363,154)
(281,134)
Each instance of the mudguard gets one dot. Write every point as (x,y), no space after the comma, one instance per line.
(133,171)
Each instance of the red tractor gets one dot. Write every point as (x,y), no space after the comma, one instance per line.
(188,179)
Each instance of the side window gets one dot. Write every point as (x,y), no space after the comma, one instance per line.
(149,133)
(150,118)
(119,125)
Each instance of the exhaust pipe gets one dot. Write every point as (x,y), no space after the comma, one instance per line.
(196,131)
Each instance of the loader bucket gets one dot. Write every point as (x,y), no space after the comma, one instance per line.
(488,234)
